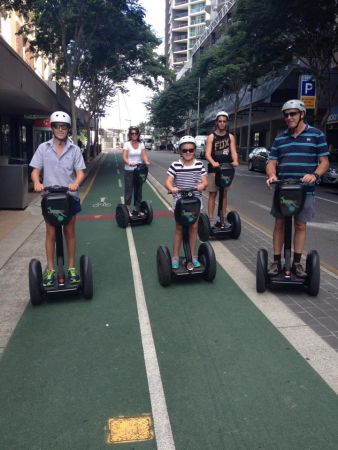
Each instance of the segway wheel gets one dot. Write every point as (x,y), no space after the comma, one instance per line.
(122,215)
(147,209)
(35,282)
(250,166)
(86,274)
(163,265)
(206,256)
(261,270)
(235,222)
(313,273)
(203,227)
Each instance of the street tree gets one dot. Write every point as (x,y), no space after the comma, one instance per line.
(307,31)
(81,36)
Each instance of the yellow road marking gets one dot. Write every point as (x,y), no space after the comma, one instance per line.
(129,429)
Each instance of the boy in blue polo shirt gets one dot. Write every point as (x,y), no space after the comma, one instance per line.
(61,163)
(300,152)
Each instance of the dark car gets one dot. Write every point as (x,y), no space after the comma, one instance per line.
(258,157)
(331,176)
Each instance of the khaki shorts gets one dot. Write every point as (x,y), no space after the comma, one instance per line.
(212,185)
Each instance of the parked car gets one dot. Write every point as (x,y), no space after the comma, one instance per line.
(258,157)
(200,145)
(331,176)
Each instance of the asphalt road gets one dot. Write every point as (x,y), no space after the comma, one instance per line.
(251,198)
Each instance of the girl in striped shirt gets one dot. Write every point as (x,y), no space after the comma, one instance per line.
(186,173)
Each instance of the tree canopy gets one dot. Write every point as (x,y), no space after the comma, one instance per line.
(263,35)
(91,41)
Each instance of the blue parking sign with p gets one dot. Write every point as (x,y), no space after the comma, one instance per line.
(307,90)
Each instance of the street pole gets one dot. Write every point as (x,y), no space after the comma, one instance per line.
(198,105)
(249,125)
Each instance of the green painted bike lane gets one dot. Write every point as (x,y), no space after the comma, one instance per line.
(230,379)
(72,363)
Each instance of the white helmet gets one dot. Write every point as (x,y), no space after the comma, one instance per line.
(294,104)
(61,117)
(222,113)
(185,140)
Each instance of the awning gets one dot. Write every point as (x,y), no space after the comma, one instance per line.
(262,93)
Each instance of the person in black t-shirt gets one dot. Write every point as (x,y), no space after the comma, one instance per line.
(220,148)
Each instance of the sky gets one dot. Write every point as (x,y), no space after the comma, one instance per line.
(128,109)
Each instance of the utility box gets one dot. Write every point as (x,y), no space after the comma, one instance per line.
(14,186)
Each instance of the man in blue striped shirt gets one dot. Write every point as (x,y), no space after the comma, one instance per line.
(299,152)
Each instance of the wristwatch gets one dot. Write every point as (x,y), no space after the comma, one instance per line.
(316,175)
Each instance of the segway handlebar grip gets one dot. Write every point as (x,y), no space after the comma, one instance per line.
(56,188)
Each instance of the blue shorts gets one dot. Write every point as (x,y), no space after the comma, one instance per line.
(306,214)
(76,205)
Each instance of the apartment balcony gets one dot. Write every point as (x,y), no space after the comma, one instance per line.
(183,26)
(180,37)
(180,3)
(180,15)
(180,51)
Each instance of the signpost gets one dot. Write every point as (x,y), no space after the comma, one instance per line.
(307,91)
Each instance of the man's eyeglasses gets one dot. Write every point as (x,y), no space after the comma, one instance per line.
(291,114)
(60,126)
(134,132)
(187,150)
(222,121)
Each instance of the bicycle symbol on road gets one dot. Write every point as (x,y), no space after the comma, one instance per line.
(101,202)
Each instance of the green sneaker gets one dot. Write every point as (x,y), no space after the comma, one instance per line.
(73,276)
(49,277)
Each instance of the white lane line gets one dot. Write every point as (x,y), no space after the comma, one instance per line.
(326,200)
(331,226)
(266,208)
(163,432)
(320,355)
(118,171)
(119,182)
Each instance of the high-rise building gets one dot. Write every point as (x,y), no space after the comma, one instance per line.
(187,23)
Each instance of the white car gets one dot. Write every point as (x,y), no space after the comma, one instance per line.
(200,145)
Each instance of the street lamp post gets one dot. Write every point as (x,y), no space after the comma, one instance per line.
(198,105)
(249,125)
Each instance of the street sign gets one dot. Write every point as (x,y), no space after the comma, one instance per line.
(307,91)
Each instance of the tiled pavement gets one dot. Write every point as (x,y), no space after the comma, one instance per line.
(320,313)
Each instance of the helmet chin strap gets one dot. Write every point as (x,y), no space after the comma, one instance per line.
(300,118)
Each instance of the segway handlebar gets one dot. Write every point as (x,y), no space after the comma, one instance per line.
(56,189)
(292,181)
(185,191)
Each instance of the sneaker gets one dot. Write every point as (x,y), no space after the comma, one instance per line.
(175,263)
(140,214)
(275,268)
(49,277)
(298,270)
(73,276)
(196,263)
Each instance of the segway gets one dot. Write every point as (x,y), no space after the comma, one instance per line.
(186,213)
(231,228)
(143,215)
(56,209)
(289,198)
